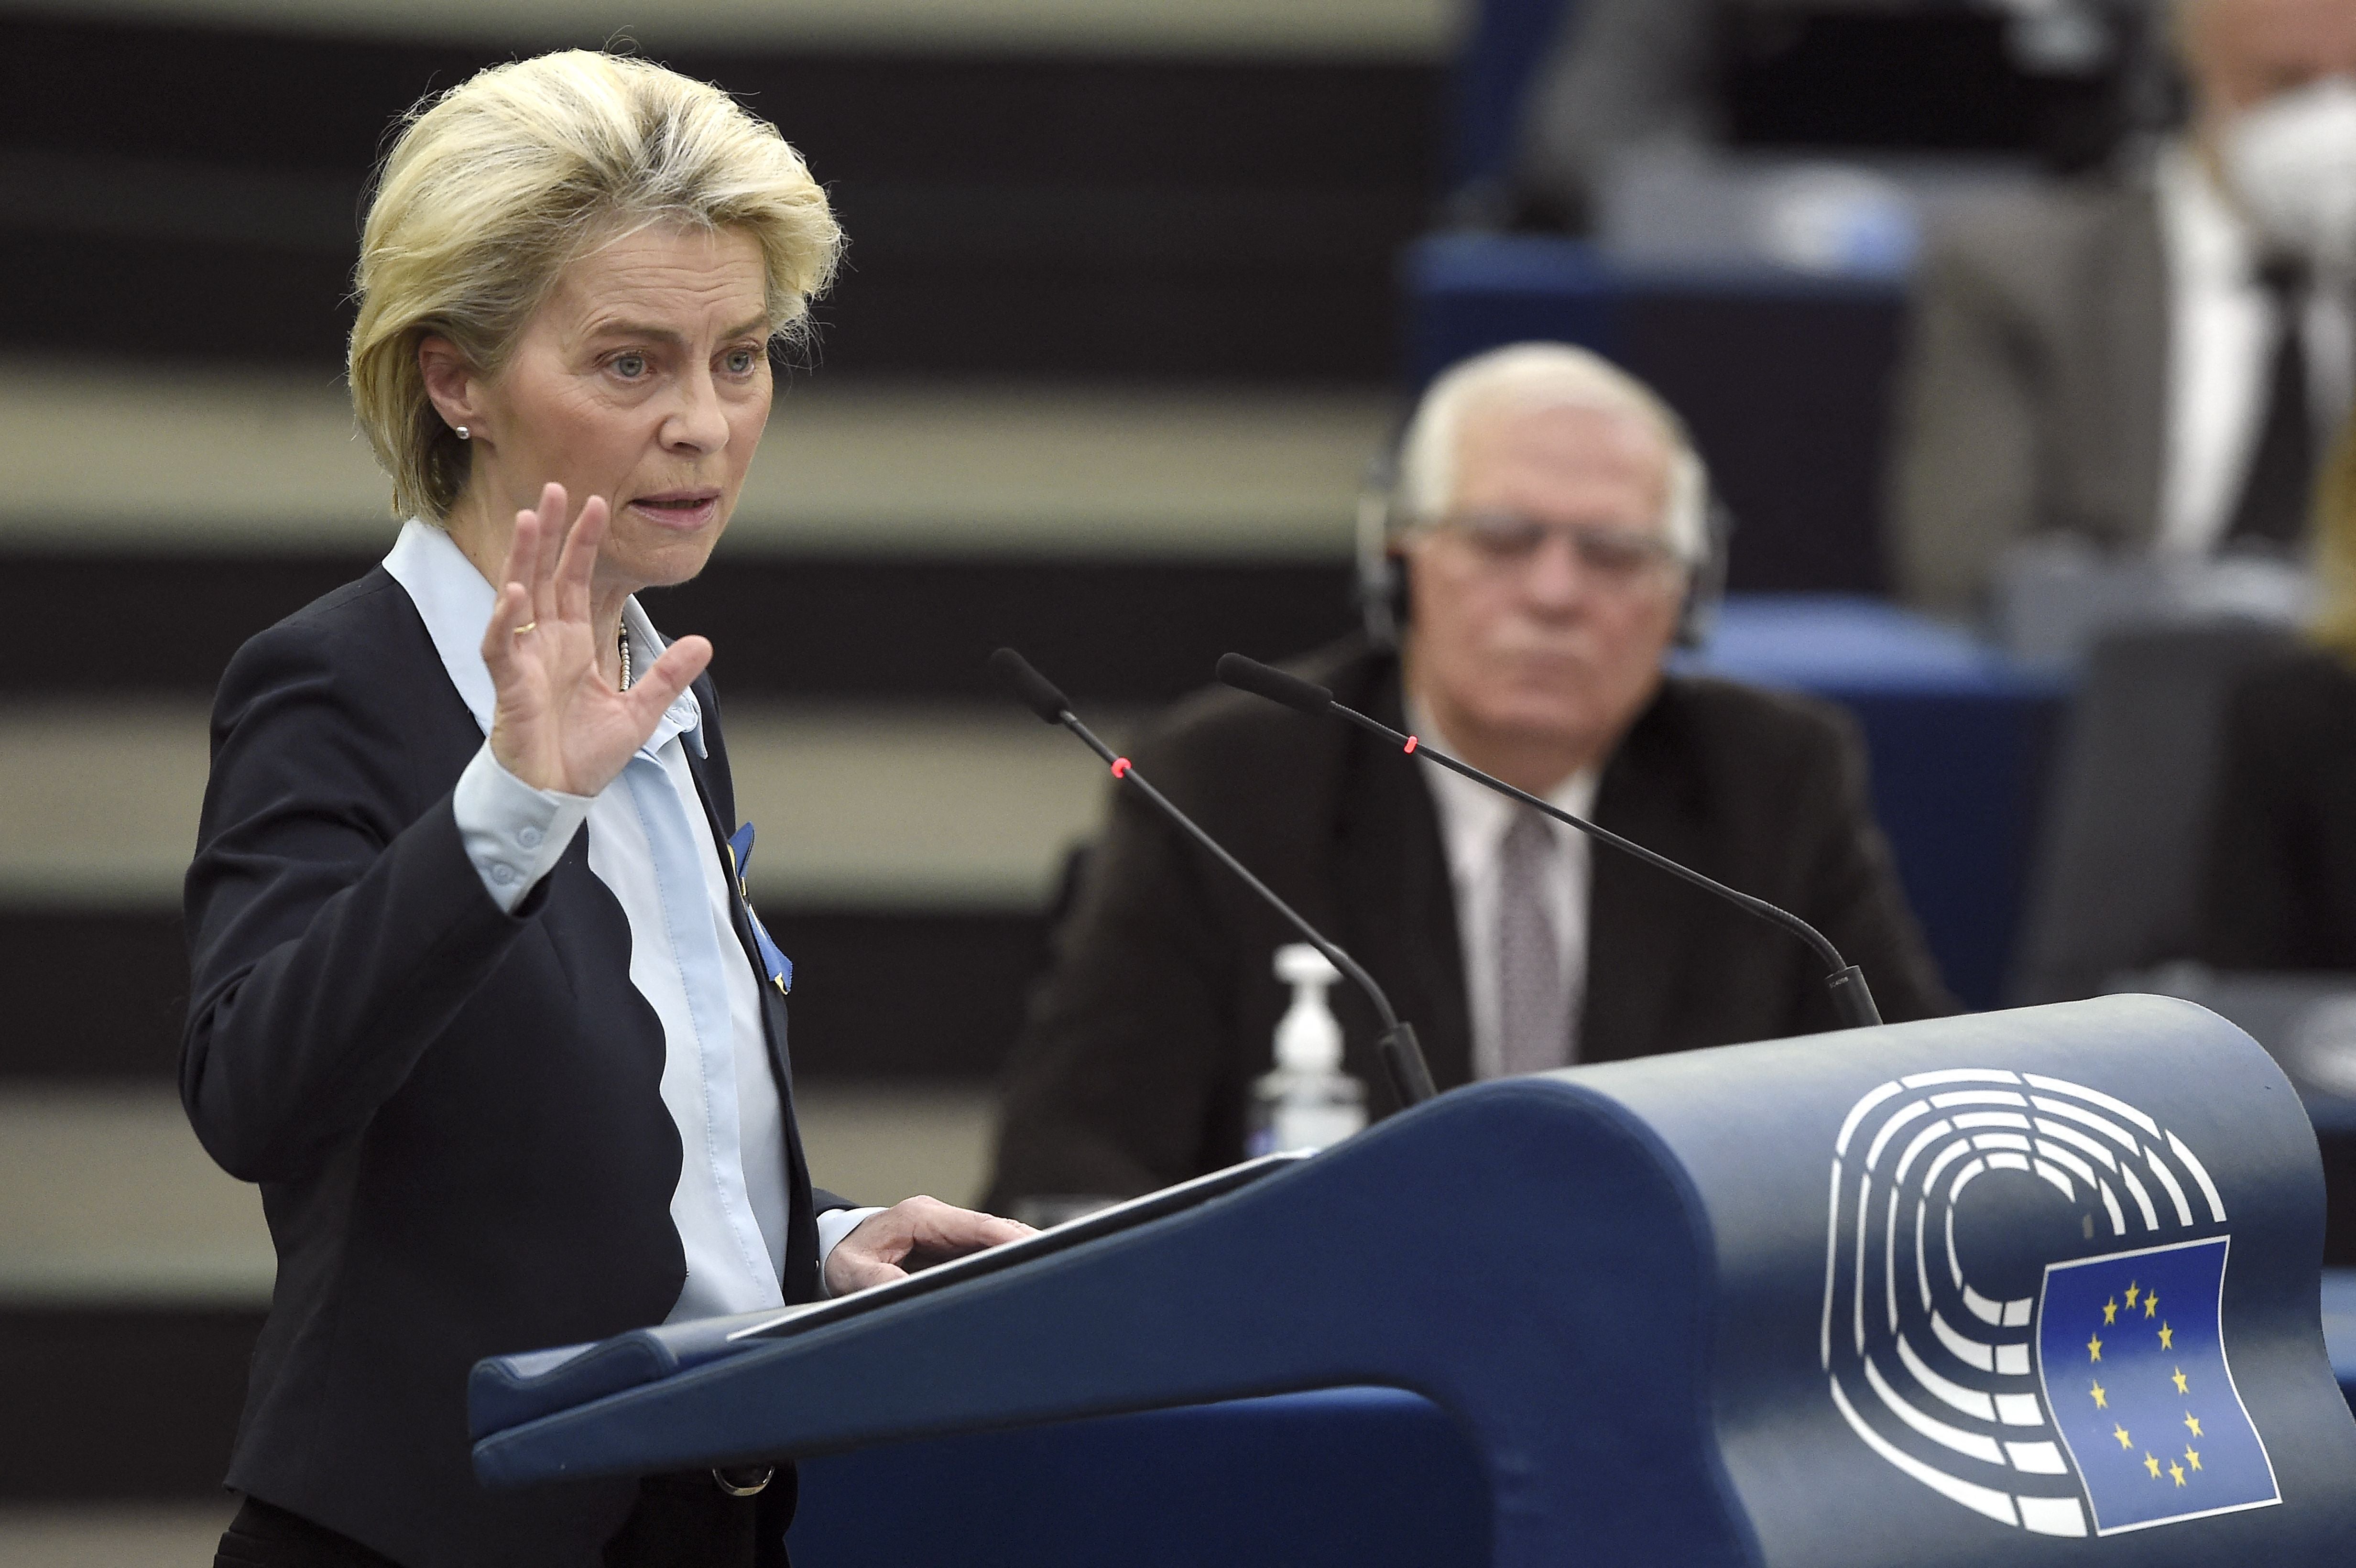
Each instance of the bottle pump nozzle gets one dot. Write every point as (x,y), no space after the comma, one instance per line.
(1307,1037)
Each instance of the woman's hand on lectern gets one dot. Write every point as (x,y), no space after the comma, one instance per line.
(561,722)
(910,1236)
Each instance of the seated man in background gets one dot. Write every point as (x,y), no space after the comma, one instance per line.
(2279,888)
(1550,521)
(2147,366)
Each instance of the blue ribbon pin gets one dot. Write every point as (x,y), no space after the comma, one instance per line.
(779,968)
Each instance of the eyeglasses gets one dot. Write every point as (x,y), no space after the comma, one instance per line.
(1507,541)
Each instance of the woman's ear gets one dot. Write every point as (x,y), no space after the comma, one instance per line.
(449,382)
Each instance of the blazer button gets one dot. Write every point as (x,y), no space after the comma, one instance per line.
(503,875)
(529,837)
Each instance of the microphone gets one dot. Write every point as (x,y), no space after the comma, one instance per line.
(1851,997)
(1402,1056)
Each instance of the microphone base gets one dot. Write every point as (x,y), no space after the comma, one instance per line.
(1402,1057)
(1853,999)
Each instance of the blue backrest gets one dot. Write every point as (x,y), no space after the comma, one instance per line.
(1502,50)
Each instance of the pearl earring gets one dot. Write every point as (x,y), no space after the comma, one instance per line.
(464,434)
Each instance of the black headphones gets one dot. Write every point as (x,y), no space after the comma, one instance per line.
(1381,587)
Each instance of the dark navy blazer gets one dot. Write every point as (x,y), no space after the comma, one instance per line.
(455,1114)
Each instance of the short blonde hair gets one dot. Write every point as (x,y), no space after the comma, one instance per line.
(495,184)
(1545,375)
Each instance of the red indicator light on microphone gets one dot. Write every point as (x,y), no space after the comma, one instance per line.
(1120,767)
(1411,743)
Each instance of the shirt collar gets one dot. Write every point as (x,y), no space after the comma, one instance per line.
(2209,241)
(1475,818)
(455,603)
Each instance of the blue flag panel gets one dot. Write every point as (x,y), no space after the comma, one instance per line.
(2133,1368)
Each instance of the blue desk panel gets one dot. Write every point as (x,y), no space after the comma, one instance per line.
(1345,1478)
(1350,1477)
(1959,738)
(1626,1286)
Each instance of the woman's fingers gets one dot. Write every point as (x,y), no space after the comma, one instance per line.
(578,567)
(523,549)
(509,611)
(659,687)
(549,532)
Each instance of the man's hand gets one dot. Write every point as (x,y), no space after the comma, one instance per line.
(910,1236)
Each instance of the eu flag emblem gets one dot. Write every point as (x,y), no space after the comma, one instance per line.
(2133,1365)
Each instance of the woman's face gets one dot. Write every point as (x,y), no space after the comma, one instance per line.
(642,379)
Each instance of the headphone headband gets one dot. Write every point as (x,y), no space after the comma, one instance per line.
(1381,590)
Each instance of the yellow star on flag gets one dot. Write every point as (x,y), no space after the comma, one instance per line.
(2131,1295)
(2110,1312)
(2180,1380)
(2150,1303)
(2178,1471)
(2167,1336)
(2095,1348)
(2152,1465)
(2101,1400)
(2192,1456)
(2121,1433)
(2193,1421)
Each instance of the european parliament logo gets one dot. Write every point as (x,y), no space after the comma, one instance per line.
(2023,1284)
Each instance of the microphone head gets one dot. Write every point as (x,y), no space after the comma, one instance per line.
(1261,680)
(1028,686)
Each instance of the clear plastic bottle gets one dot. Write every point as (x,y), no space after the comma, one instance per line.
(1308,1102)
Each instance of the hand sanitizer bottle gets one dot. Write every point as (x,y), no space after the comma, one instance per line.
(1308,1102)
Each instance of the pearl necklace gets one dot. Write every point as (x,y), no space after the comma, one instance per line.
(622,640)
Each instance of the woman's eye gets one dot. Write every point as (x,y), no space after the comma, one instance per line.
(629,366)
(739,361)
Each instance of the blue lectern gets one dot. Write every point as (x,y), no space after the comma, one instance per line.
(1991,1289)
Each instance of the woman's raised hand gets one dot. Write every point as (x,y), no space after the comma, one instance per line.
(559,723)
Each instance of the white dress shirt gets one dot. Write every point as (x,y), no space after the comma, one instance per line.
(1474,819)
(650,843)
(2221,353)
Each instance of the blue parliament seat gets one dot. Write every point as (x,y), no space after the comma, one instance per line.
(1958,737)
(1967,1291)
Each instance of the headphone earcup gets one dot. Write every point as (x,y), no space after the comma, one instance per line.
(1380,589)
(1705,591)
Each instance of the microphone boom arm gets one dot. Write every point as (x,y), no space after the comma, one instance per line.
(1852,998)
(1401,1053)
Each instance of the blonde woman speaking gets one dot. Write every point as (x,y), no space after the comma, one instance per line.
(476,996)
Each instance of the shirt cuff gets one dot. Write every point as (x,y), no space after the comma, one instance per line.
(832,1226)
(513,834)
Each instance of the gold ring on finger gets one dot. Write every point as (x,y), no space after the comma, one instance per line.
(527,626)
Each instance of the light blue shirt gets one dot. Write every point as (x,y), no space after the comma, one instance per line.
(650,843)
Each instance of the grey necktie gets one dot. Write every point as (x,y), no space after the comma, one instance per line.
(1533,1005)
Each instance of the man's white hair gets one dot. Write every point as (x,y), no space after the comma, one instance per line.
(1544,375)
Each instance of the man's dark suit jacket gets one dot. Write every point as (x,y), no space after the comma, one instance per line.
(455,1114)
(2279,888)
(1160,1006)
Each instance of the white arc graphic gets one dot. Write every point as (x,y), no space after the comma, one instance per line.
(1935,1375)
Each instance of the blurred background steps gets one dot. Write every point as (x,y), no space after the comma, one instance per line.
(1113,344)
(1105,195)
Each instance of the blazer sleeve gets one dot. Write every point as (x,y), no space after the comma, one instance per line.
(1853,894)
(334,930)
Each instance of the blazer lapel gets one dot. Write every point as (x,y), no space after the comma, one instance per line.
(801,1240)
(1638,917)
(1398,901)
